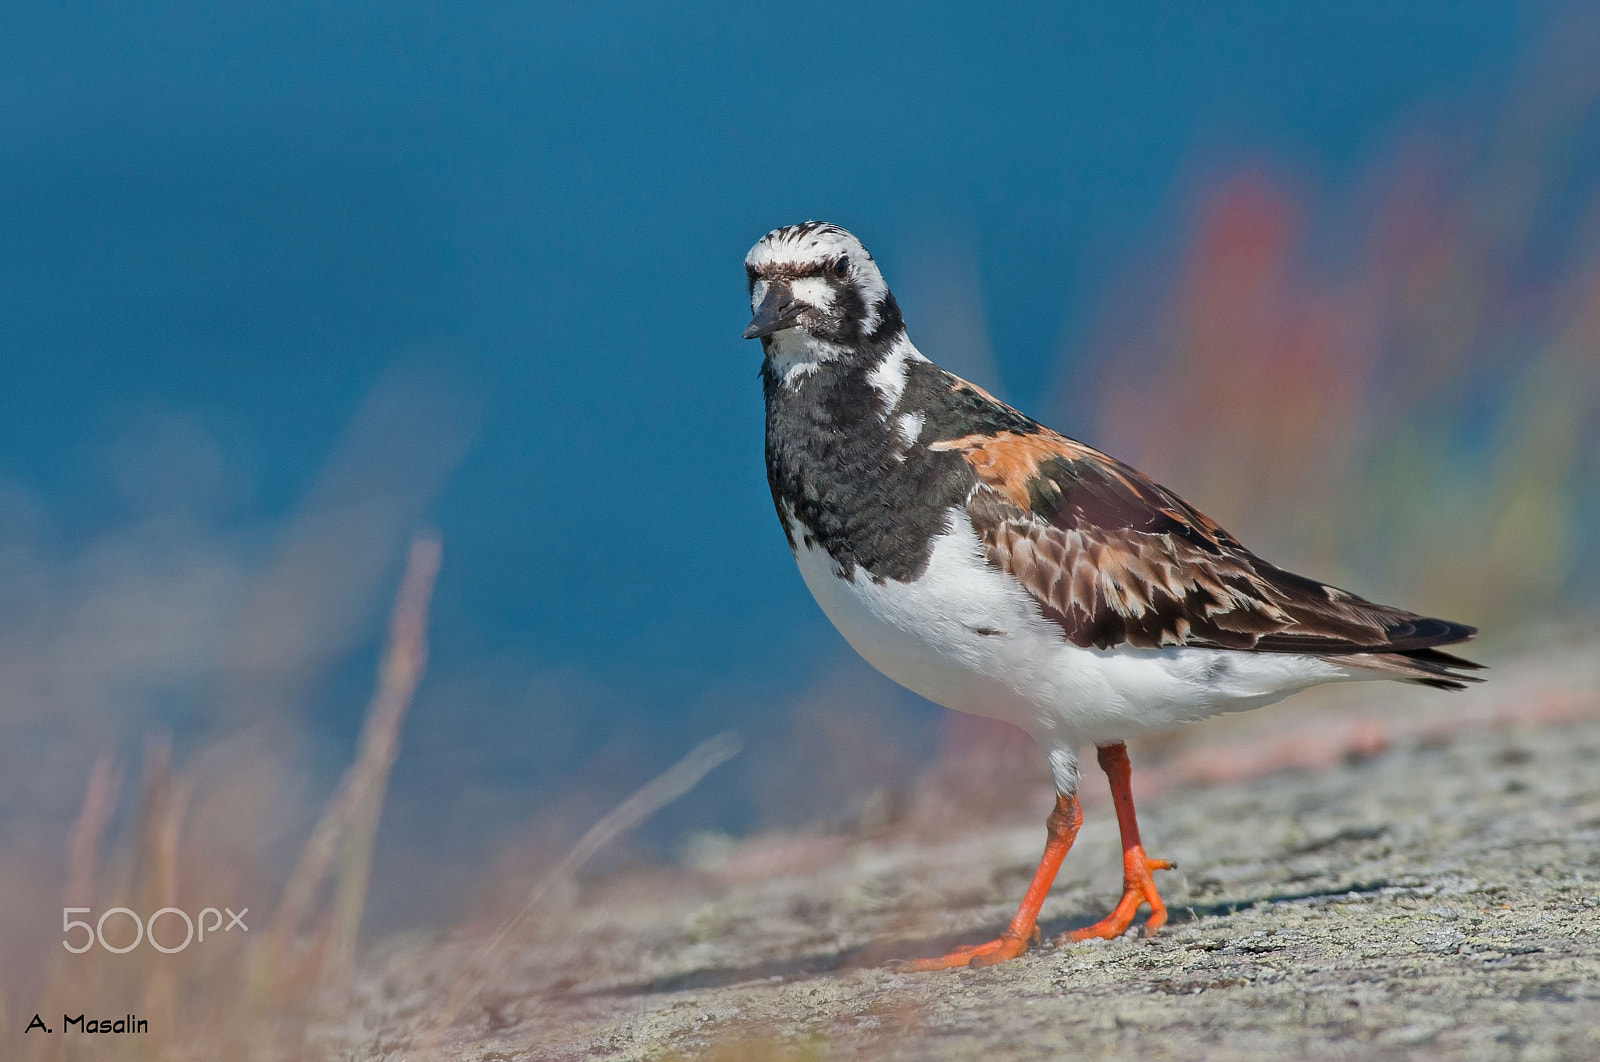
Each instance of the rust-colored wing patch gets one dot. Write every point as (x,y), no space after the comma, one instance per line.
(1010,462)
(1043,472)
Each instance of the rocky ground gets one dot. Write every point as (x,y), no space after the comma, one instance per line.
(1425,886)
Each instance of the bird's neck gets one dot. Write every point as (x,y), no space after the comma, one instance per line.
(850,382)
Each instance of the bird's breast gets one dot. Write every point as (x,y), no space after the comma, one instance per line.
(848,479)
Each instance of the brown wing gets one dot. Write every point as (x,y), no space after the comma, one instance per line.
(1116,559)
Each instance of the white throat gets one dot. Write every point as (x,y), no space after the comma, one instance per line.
(795,353)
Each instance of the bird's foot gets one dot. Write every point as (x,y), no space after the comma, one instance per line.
(1138,887)
(1006,946)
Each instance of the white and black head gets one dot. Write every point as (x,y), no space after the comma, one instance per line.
(815,281)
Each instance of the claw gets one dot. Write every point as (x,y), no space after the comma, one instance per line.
(1138,888)
(988,953)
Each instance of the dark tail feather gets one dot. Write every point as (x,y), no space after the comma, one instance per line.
(1443,659)
(1425,666)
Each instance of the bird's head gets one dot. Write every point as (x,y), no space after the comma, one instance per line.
(815,278)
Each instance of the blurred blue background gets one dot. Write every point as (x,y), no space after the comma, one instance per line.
(283,282)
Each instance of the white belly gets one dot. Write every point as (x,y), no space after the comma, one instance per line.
(929,636)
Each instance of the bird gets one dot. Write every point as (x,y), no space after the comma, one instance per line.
(997,567)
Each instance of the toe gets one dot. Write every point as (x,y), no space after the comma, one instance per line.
(999,950)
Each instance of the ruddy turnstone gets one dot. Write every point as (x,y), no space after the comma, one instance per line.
(997,567)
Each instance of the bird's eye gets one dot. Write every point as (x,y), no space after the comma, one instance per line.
(841,267)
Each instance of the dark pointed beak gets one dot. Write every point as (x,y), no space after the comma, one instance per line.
(777,311)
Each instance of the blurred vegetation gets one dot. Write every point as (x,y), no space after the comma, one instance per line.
(262,992)
(1400,393)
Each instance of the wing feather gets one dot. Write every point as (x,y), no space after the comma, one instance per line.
(1116,559)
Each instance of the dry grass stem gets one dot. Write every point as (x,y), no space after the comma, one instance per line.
(83,848)
(99,799)
(343,837)
(628,815)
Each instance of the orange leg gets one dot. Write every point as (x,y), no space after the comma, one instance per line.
(1062,828)
(1138,884)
